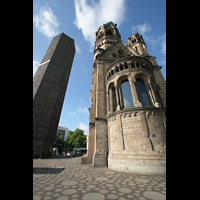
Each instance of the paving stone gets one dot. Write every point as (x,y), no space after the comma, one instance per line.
(36,197)
(142,180)
(48,188)
(104,191)
(125,190)
(154,195)
(63,198)
(67,183)
(69,191)
(92,196)
(112,196)
(78,181)
(101,179)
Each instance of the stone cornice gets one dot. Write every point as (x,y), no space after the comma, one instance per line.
(130,109)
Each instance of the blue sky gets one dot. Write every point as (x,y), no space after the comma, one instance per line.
(80,19)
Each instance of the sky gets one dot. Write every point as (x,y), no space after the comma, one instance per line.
(80,19)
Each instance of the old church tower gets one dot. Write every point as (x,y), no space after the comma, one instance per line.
(127,124)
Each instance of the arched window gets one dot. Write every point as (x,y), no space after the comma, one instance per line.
(126,93)
(114,55)
(109,32)
(121,53)
(125,65)
(142,92)
(117,68)
(114,101)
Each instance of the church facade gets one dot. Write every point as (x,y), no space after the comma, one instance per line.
(127,124)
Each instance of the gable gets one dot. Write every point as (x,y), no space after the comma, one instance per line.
(118,50)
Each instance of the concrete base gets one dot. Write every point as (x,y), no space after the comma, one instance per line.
(147,167)
(86,159)
(99,160)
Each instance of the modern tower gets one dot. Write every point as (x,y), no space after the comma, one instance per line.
(49,87)
(127,124)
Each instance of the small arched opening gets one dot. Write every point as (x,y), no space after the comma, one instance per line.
(109,32)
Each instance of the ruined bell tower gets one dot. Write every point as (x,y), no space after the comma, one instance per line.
(127,124)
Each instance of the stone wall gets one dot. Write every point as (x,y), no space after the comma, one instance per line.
(136,135)
(130,137)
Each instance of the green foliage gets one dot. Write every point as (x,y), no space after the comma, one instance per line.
(76,139)
(61,137)
(60,143)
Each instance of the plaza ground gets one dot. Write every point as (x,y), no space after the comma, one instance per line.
(63,177)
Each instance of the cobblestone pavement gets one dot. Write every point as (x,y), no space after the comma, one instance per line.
(63,178)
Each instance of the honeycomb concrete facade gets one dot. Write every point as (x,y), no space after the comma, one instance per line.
(49,87)
(127,127)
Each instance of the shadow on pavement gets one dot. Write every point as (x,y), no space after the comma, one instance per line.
(44,170)
(59,157)
(64,157)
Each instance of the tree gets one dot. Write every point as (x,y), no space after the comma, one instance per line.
(76,139)
(59,143)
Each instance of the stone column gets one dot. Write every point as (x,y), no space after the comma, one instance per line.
(117,97)
(153,94)
(100,147)
(111,101)
(108,102)
(91,141)
(129,64)
(149,93)
(136,101)
(140,64)
(114,70)
(121,97)
(123,66)
(135,65)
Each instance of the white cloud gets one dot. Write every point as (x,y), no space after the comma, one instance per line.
(35,66)
(83,127)
(143,29)
(90,16)
(84,110)
(71,113)
(78,50)
(85,70)
(163,44)
(127,103)
(46,22)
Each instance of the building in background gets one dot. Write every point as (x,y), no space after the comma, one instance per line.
(49,87)
(127,124)
(62,131)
